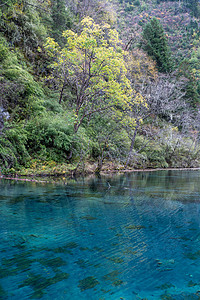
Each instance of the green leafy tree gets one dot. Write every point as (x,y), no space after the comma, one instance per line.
(155,44)
(92,65)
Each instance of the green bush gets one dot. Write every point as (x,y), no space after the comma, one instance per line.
(20,94)
(3,51)
(52,136)
(13,152)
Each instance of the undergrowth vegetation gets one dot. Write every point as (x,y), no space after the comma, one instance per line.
(58,117)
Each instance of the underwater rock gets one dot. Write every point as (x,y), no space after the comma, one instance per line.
(88,283)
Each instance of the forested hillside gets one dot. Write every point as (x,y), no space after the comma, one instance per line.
(96,85)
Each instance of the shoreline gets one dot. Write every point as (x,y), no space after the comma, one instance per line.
(33,177)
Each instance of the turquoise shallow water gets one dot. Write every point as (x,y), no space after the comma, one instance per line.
(134,236)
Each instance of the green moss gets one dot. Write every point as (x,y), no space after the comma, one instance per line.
(97,266)
(185,238)
(97,249)
(53,263)
(20,260)
(85,249)
(88,217)
(61,250)
(71,245)
(88,283)
(166,297)
(129,250)
(191,283)
(2,293)
(105,291)
(83,263)
(118,234)
(116,260)
(115,244)
(59,277)
(39,283)
(5,272)
(166,286)
(135,227)
(111,276)
(117,282)
(193,256)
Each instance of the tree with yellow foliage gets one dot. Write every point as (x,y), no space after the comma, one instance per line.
(92,64)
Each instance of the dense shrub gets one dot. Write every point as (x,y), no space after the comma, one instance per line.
(13,152)
(52,137)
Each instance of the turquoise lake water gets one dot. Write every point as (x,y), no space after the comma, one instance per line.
(134,236)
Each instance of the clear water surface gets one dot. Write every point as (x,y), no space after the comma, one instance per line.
(134,236)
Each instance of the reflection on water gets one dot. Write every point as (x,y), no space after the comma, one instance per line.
(133,236)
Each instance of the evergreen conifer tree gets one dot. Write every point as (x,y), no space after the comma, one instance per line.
(61,19)
(155,44)
(194,6)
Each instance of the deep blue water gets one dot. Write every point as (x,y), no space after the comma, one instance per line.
(134,236)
